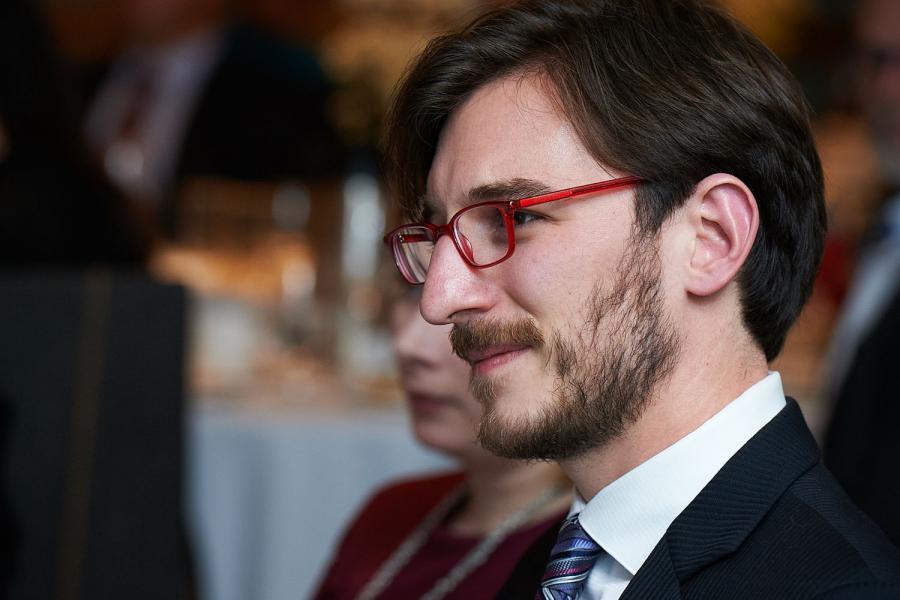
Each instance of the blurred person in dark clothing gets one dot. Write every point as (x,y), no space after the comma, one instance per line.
(55,210)
(194,95)
(862,373)
(90,358)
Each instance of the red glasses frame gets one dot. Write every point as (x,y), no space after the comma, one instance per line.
(395,238)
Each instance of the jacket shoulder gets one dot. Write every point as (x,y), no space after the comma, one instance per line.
(840,530)
(812,543)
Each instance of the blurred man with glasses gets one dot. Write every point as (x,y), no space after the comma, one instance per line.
(618,206)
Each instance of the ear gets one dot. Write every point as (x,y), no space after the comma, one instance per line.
(723,218)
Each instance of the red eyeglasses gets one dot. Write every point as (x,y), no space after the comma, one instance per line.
(484,234)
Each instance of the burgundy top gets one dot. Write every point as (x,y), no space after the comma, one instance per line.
(385,522)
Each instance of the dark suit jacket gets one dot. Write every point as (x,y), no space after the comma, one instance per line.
(91,413)
(263,115)
(862,447)
(771,524)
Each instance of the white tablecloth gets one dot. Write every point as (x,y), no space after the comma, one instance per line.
(270,493)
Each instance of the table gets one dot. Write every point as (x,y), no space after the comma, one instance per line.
(268,493)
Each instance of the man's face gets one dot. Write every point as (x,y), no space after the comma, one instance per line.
(879,41)
(568,337)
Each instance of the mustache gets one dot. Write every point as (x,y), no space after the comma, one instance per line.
(466,338)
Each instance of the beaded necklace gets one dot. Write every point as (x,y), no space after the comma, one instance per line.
(475,558)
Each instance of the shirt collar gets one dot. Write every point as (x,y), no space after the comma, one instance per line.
(630,515)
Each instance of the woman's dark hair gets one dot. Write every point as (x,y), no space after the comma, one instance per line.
(670,90)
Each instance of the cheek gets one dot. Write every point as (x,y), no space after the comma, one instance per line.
(452,430)
(555,282)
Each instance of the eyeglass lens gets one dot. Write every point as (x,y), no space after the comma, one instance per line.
(480,236)
(413,247)
(482,233)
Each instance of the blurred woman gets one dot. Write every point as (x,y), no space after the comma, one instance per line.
(456,535)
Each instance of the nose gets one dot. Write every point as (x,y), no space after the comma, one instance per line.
(453,291)
(409,334)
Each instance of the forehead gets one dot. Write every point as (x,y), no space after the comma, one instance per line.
(509,129)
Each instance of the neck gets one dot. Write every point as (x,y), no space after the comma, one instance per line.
(699,387)
(498,488)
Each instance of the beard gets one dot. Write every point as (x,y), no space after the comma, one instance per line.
(606,370)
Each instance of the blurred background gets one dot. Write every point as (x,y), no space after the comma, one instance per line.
(196,381)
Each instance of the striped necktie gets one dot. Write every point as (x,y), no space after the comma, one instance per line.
(572,558)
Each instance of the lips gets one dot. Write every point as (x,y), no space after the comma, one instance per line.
(425,403)
(487,359)
(489,344)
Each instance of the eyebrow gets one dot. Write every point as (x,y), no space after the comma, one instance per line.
(510,189)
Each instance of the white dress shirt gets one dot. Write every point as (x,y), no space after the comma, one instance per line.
(630,515)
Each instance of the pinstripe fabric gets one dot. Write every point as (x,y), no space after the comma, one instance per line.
(572,558)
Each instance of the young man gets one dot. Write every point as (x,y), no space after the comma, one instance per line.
(634,217)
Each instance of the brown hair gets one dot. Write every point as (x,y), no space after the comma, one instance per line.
(670,90)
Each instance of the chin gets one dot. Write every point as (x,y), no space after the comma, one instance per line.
(509,402)
(435,437)
(515,427)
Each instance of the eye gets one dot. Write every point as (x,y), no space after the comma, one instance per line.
(523,217)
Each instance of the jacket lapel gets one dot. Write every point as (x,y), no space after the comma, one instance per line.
(730,507)
(656,580)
